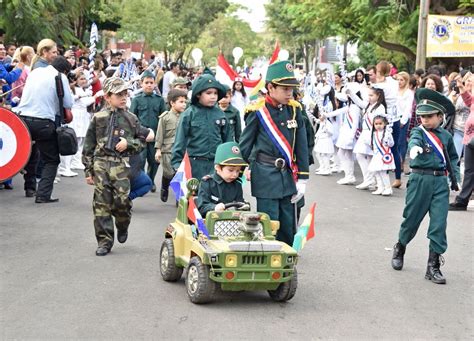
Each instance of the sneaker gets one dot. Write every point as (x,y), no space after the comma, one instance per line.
(364,185)
(387,192)
(456,206)
(79,166)
(378,191)
(68,174)
(57,180)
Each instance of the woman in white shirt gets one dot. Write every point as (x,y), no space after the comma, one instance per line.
(404,107)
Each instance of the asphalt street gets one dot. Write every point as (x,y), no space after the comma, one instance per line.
(54,287)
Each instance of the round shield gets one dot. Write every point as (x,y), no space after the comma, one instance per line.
(387,158)
(15,144)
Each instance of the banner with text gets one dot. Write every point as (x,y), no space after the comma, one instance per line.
(450,36)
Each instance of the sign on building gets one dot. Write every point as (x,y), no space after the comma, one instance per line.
(450,36)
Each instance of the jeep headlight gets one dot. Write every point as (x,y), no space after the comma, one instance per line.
(275,261)
(231,261)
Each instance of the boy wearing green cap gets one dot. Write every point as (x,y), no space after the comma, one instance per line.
(112,137)
(432,155)
(148,107)
(224,185)
(275,135)
(201,128)
(232,114)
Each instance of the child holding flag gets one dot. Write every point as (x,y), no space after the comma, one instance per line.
(433,156)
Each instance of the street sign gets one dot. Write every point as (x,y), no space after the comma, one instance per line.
(15,144)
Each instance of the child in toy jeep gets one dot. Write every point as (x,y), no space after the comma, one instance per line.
(234,249)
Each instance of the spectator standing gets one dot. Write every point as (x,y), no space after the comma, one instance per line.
(404,109)
(169,77)
(46,52)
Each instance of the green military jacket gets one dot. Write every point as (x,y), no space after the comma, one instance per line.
(214,190)
(126,125)
(148,108)
(233,117)
(431,160)
(267,181)
(166,132)
(200,130)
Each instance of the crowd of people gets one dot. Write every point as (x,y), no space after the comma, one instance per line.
(128,114)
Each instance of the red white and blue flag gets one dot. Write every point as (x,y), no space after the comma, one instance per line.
(183,174)
(196,218)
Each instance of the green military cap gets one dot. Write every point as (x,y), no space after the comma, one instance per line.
(228,154)
(147,74)
(180,81)
(114,85)
(432,102)
(282,73)
(205,82)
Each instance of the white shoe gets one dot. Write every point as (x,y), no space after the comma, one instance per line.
(57,180)
(347,181)
(364,185)
(378,191)
(387,192)
(323,172)
(341,181)
(79,166)
(68,173)
(335,169)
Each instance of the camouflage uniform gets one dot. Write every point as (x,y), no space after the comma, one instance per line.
(110,170)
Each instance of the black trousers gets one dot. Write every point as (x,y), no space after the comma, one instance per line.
(468,183)
(43,133)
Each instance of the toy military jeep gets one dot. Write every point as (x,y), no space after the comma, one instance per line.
(241,253)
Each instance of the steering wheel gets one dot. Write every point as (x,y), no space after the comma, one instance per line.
(237,205)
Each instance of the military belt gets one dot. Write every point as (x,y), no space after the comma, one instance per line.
(277,162)
(201,158)
(113,158)
(428,171)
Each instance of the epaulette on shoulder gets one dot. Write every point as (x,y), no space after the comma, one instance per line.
(294,103)
(206,177)
(255,105)
(102,114)
(164,114)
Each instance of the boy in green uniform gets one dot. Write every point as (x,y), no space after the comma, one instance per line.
(113,136)
(224,186)
(201,128)
(432,154)
(232,114)
(275,135)
(165,137)
(148,107)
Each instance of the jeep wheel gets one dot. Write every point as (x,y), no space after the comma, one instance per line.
(286,290)
(198,284)
(169,271)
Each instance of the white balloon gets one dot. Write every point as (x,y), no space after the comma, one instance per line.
(283,54)
(197,55)
(237,52)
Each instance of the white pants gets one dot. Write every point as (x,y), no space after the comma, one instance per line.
(347,162)
(324,161)
(76,161)
(364,160)
(383,180)
(335,158)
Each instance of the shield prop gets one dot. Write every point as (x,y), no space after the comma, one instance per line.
(15,144)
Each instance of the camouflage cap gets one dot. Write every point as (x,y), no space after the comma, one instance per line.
(114,85)
(180,81)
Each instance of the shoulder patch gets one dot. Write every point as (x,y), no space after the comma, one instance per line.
(102,114)
(255,105)
(164,114)
(206,177)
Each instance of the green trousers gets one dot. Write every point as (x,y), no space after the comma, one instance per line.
(283,211)
(426,194)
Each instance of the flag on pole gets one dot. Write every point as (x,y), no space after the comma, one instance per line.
(196,218)
(253,94)
(306,230)
(183,174)
(226,75)
(275,53)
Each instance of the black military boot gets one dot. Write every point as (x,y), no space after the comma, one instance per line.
(433,273)
(397,258)
(165,184)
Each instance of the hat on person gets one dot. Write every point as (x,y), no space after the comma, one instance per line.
(203,83)
(180,81)
(207,71)
(147,74)
(114,85)
(282,73)
(228,154)
(432,102)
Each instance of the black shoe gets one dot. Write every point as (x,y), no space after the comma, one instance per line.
(30,193)
(164,195)
(397,258)
(40,200)
(457,206)
(122,236)
(433,273)
(153,189)
(102,251)
(7,186)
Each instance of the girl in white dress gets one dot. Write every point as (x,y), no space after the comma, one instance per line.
(239,98)
(362,148)
(324,146)
(382,160)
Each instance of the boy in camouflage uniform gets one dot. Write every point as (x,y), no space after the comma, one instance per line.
(111,138)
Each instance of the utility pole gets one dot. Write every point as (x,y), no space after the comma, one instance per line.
(422,33)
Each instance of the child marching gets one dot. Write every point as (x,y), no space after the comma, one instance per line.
(323,146)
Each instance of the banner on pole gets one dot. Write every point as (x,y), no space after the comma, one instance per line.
(450,36)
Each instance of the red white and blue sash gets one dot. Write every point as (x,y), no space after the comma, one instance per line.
(368,122)
(435,143)
(387,156)
(278,139)
(349,119)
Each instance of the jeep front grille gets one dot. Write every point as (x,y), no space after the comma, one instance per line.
(254,260)
(230,228)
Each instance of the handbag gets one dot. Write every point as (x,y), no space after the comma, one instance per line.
(67,139)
